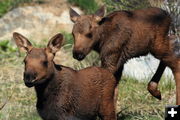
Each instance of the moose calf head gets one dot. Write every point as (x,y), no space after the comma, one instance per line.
(38,61)
(83,32)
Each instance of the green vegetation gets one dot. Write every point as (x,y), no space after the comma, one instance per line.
(20,101)
(68,40)
(8,52)
(125,4)
(90,6)
(6,5)
(137,104)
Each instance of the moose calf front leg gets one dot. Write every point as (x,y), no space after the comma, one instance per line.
(117,75)
(111,63)
(107,111)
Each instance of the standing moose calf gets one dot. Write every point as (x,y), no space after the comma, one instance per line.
(123,35)
(64,93)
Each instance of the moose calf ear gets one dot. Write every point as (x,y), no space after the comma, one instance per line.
(73,15)
(101,12)
(55,43)
(22,42)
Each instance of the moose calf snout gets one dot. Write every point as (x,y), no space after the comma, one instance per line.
(78,55)
(29,77)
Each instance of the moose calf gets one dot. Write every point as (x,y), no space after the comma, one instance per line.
(64,93)
(122,35)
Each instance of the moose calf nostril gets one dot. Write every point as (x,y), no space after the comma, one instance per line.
(78,55)
(29,76)
(81,56)
(26,76)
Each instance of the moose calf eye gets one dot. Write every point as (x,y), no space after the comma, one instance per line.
(89,35)
(45,63)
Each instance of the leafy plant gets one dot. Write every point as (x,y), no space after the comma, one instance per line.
(5,46)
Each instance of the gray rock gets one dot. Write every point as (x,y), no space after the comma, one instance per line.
(35,22)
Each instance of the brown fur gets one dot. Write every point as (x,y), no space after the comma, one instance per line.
(123,35)
(64,93)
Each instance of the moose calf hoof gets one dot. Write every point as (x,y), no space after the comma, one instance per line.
(152,88)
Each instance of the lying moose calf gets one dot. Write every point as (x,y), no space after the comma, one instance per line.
(64,93)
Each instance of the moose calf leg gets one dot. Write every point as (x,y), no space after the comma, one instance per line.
(117,75)
(107,106)
(107,111)
(177,79)
(153,84)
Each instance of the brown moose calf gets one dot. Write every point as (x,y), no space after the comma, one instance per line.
(64,93)
(122,35)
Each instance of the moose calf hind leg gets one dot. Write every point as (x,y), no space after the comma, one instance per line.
(153,84)
(177,79)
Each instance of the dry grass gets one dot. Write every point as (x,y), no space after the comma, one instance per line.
(136,102)
(20,101)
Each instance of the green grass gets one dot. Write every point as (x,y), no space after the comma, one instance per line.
(8,53)
(136,102)
(90,6)
(125,5)
(20,100)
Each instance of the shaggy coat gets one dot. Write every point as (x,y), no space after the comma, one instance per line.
(123,35)
(64,93)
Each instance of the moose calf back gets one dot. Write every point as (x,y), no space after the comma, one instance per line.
(135,33)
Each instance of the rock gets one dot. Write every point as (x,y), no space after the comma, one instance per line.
(37,22)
